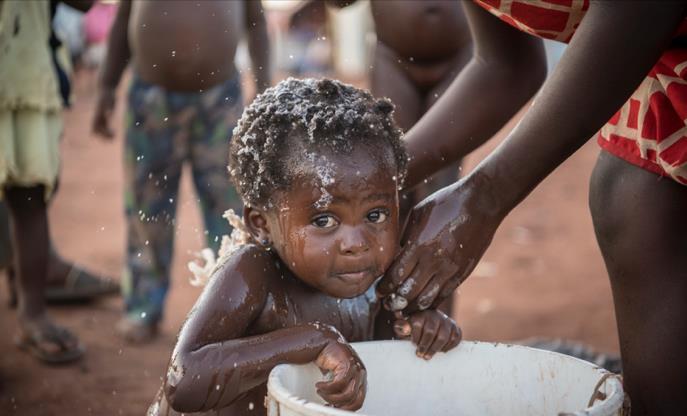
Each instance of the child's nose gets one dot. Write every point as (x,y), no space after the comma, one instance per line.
(353,242)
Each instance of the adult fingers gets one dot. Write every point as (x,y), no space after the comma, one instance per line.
(399,270)
(429,292)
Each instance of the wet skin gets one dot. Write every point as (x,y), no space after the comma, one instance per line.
(300,301)
(181,46)
(644,255)
(421,47)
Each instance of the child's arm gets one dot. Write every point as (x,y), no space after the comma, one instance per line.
(214,363)
(431,330)
(116,60)
(258,44)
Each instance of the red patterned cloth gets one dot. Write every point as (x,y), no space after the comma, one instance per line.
(650,130)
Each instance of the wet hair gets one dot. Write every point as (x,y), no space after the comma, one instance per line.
(287,123)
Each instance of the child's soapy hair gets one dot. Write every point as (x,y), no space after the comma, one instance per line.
(283,126)
(286,123)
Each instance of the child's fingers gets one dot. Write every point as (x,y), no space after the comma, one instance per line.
(343,397)
(349,394)
(340,381)
(454,340)
(359,398)
(416,322)
(429,333)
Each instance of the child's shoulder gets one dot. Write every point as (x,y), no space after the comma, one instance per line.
(250,266)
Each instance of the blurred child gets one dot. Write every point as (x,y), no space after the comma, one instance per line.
(318,165)
(30,127)
(184,100)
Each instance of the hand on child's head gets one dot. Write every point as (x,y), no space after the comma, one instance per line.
(431,330)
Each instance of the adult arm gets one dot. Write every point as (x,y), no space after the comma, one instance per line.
(614,48)
(116,60)
(214,363)
(258,44)
(506,70)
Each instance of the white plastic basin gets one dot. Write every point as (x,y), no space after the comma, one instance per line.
(476,378)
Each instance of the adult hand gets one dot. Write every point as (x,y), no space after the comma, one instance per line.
(104,107)
(348,386)
(446,235)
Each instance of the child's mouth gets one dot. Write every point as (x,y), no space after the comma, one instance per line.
(355,277)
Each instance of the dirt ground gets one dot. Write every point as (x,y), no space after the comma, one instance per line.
(542,276)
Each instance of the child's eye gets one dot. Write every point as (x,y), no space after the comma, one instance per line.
(377,216)
(324,221)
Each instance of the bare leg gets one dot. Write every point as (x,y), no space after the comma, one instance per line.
(640,224)
(29,219)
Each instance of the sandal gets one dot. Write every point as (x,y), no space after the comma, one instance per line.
(50,343)
(80,286)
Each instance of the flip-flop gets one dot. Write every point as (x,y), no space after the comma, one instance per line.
(32,342)
(80,286)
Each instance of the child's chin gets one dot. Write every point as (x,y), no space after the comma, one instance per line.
(350,292)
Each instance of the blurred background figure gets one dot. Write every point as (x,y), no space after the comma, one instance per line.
(96,28)
(184,100)
(34,86)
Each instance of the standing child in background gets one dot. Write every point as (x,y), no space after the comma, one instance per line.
(30,128)
(318,165)
(184,100)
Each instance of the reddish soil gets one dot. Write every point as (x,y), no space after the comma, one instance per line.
(542,276)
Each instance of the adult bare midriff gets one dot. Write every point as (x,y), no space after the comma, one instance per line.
(426,30)
(177,58)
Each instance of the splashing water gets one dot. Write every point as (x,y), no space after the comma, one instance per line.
(239,237)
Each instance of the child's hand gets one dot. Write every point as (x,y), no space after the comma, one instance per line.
(431,330)
(347,388)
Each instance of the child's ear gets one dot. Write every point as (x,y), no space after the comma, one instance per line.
(256,221)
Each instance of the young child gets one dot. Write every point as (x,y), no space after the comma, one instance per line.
(318,165)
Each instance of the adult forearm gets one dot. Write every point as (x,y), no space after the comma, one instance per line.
(476,106)
(614,48)
(118,52)
(215,375)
